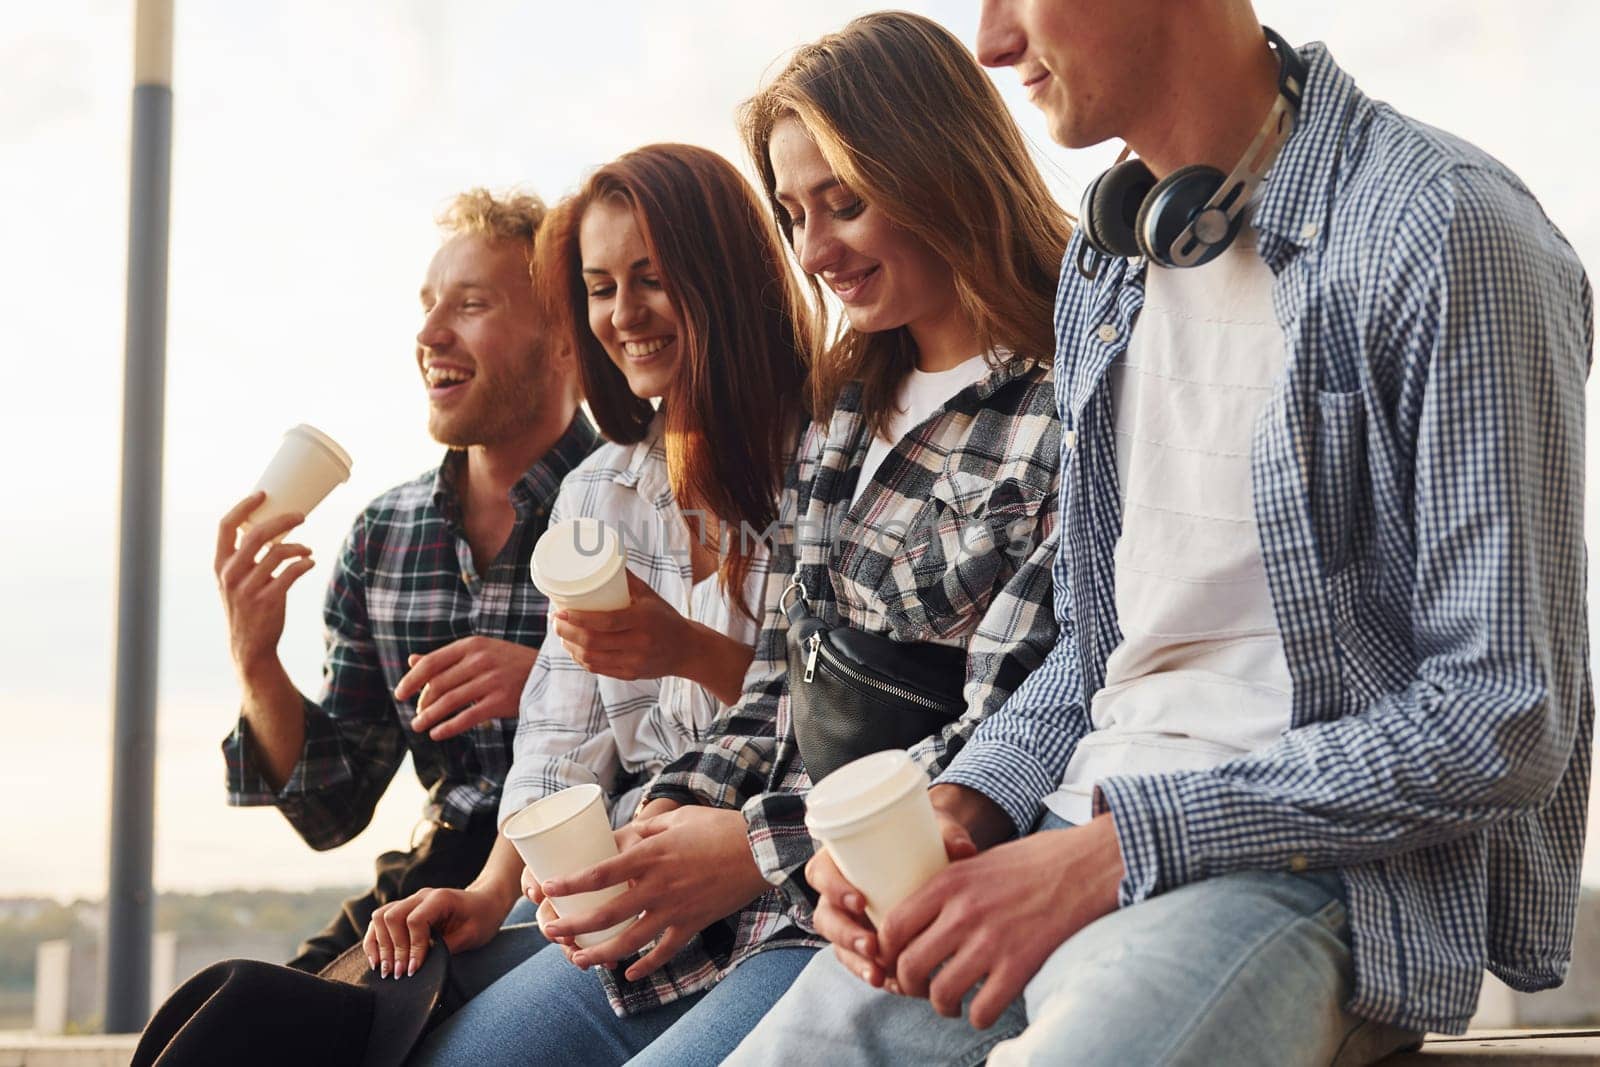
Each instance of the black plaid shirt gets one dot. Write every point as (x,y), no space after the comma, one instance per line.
(404,584)
(952,543)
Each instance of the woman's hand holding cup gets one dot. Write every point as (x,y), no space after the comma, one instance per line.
(685,870)
(530,886)
(647,639)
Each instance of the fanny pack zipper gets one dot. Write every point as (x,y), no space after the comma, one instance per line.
(833,660)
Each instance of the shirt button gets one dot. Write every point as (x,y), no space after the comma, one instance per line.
(1308,231)
(1298,864)
(1108,332)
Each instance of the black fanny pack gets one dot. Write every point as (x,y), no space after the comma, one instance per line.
(853,693)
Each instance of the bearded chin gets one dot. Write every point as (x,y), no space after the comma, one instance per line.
(507,414)
(452,431)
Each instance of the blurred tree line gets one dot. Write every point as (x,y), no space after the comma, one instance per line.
(26,922)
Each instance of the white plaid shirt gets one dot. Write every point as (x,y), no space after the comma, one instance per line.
(1418,484)
(951,543)
(577,727)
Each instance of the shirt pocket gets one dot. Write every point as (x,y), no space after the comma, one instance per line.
(963,543)
(1338,476)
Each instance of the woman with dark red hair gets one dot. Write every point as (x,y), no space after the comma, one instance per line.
(668,283)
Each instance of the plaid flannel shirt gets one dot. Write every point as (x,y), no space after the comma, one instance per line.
(577,727)
(951,542)
(405,583)
(1418,485)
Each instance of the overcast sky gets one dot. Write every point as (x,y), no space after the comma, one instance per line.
(314,143)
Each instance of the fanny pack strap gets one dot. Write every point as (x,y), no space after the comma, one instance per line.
(797,610)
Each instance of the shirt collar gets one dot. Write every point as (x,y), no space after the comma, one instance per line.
(1293,208)
(651,446)
(538,484)
(1010,368)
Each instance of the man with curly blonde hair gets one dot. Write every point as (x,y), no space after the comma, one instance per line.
(432,620)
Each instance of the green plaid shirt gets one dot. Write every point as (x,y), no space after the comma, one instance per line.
(405,584)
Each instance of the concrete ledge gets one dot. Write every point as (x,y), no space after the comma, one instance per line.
(1505,1048)
(1499,1048)
(87,1050)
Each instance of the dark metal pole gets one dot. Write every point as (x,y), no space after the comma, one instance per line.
(130,899)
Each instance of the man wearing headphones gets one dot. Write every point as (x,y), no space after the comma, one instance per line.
(1313,750)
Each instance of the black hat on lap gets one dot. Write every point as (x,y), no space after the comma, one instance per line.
(245,1012)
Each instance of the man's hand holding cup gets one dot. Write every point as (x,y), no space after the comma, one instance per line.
(254,571)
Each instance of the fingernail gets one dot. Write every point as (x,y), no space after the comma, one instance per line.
(866,975)
(372,963)
(385,973)
(411,970)
(861,945)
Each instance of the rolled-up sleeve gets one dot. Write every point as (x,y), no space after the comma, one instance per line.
(353,739)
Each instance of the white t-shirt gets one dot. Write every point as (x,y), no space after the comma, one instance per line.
(920,395)
(1200,676)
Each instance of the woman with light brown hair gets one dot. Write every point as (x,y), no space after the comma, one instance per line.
(914,154)
(920,514)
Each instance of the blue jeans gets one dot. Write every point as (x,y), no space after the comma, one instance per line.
(1250,968)
(547,1011)
(518,939)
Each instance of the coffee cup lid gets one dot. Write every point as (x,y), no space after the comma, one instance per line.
(576,557)
(327,443)
(860,789)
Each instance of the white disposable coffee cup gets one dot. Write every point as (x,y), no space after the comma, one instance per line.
(580,564)
(308,465)
(563,834)
(874,817)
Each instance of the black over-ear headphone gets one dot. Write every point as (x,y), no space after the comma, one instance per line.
(1191,215)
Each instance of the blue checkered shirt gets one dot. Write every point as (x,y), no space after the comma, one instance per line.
(405,583)
(1418,485)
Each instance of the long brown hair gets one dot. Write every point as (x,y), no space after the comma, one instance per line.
(736,402)
(908,121)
